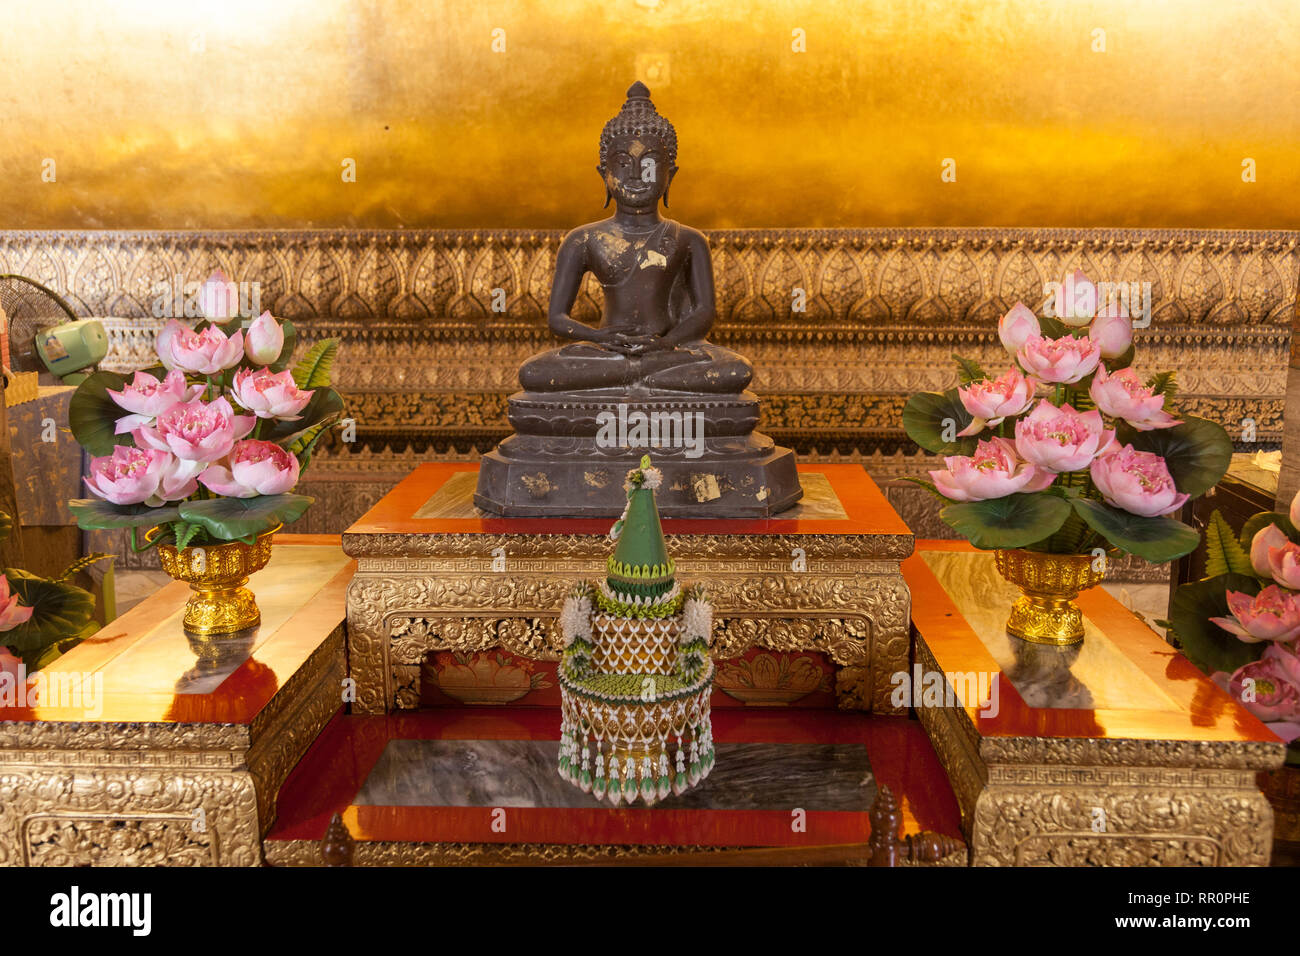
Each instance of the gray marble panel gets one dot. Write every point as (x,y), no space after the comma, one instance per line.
(522,773)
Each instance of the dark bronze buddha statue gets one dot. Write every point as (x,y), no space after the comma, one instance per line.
(647,364)
(656,274)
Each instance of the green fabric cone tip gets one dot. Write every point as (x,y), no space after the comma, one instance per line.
(640,564)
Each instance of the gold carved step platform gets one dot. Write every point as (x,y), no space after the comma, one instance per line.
(436,574)
(1114,752)
(148,749)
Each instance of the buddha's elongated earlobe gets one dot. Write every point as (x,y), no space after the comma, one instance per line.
(672,171)
(608,195)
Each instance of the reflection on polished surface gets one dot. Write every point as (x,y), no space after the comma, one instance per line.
(521,773)
(1125,682)
(1089,675)
(148,668)
(434,776)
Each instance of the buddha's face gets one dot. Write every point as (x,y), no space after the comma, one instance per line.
(637,172)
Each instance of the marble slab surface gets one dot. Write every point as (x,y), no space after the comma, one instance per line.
(1091,675)
(522,773)
(455,499)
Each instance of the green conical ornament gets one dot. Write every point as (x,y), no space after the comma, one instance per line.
(640,565)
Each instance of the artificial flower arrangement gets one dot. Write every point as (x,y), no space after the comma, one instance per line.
(1069,450)
(41,618)
(1240,624)
(207,446)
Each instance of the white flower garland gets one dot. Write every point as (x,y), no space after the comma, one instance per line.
(697,620)
(575,619)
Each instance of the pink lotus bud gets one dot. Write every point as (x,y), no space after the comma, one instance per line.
(196,431)
(992,400)
(264,341)
(1122,395)
(1271,615)
(270,394)
(129,476)
(219,298)
(146,398)
(1137,482)
(179,480)
(256,468)
(1284,565)
(1016,326)
(1265,538)
(1076,300)
(993,471)
(1059,361)
(1112,330)
(1061,439)
(11,613)
(202,353)
(1295,510)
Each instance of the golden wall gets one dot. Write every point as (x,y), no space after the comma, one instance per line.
(243,113)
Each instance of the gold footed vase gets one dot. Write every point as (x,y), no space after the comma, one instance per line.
(217,574)
(1045,613)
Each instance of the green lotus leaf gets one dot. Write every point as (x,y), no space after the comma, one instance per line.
(1157,540)
(928,417)
(92,414)
(241,519)
(1015,521)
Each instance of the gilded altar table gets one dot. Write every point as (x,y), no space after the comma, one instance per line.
(1117,751)
(435,574)
(145,748)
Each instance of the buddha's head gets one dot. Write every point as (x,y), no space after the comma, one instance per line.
(638,153)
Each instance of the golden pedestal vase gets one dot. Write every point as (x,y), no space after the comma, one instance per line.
(217,575)
(1045,613)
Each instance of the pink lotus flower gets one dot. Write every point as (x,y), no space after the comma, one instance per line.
(11,612)
(129,476)
(1016,326)
(1265,539)
(265,340)
(197,430)
(256,468)
(992,400)
(1270,689)
(1112,330)
(270,394)
(146,398)
(219,298)
(1136,481)
(1122,395)
(993,471)
(1061,439)
(1271,615)
(13,666)
(1064,360)
(1075,302)
(202,353)
(1284,564)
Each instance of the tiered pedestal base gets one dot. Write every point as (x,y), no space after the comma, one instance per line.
(436,574)
(166,753)
(570,453)
(1114,752)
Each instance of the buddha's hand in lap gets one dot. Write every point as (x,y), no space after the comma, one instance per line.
(634,345)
